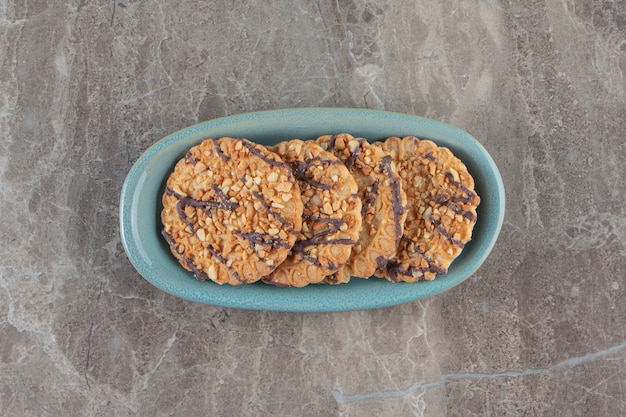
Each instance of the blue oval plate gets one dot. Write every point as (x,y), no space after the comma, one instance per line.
(140,207)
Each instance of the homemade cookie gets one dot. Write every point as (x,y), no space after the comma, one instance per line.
(331,215)
(231,211)
(441,211)
(383,209)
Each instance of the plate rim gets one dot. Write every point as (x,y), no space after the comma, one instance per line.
(134,179)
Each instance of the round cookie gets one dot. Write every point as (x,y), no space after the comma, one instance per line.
(383,209)
(441,211)
(331,215)
(231,211)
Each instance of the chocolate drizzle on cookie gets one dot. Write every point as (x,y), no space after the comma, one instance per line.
(300,172)
(335,226)
(274,213)
(331,143)
(180,209)
(469,194)
(190,264)
(214,253)
(442,230)
(467,214)
(332,278)
(190,159)
(188,201)
(300,248)
(371,197)
(396,269)
(257,152)
(355,154)
(261,239)
(396,195)
(229,205)
(317,239)
(468,197)
(381,262)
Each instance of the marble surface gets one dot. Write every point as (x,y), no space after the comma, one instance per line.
(87,85)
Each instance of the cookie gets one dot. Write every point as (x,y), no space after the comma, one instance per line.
(441,210)
(383,208)
(331,215)
(231,211)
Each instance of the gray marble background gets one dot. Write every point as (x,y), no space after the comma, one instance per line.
(87,85)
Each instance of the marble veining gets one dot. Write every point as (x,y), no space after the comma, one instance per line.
(87,85)
(443,379)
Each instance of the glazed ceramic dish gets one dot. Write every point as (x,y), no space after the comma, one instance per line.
(140,207)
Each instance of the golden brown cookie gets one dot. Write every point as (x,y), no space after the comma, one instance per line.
(441,209)
(231,211)
(331,215)
(384,204)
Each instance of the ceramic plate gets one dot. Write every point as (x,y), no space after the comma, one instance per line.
(140,207)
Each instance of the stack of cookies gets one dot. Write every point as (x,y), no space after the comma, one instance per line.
(318,211)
